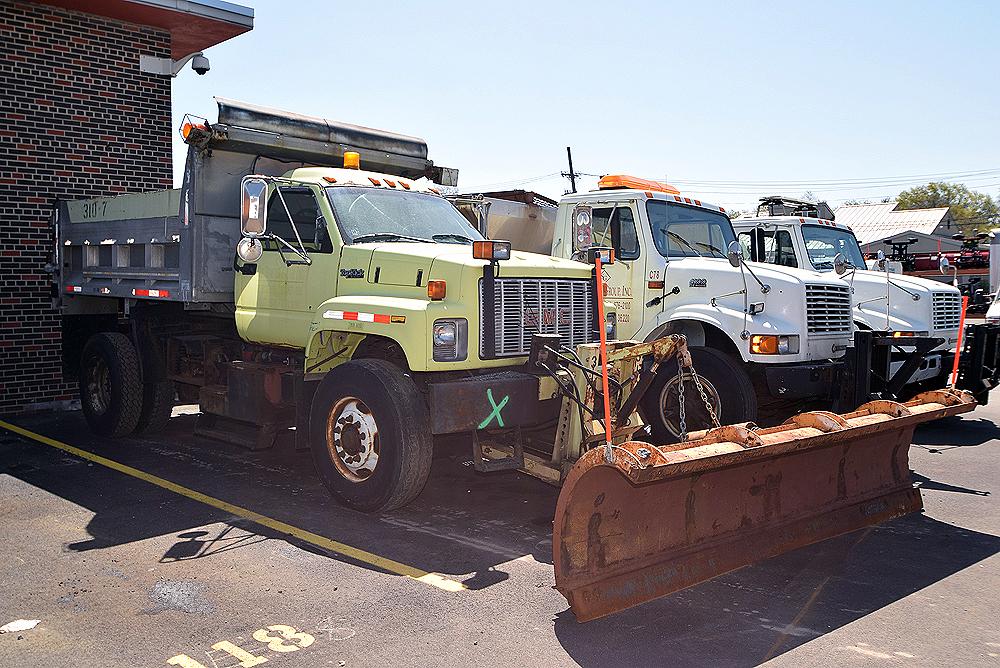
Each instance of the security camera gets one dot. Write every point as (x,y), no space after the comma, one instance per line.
(200,64)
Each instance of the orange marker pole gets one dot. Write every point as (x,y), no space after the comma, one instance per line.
(604,358)
(958,345)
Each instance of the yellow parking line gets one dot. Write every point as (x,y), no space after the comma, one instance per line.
(357,554)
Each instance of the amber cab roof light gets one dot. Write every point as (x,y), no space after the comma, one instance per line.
(618,181)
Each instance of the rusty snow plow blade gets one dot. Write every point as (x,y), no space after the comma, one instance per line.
(658,519)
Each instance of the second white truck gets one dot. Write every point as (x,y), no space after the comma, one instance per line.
(883,301)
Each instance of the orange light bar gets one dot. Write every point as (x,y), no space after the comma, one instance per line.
(436,290)
(612,181)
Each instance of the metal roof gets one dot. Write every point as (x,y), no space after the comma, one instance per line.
(872,222)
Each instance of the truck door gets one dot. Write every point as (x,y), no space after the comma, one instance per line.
(278,292)
(615,225)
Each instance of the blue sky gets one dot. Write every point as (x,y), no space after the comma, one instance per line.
(786,97)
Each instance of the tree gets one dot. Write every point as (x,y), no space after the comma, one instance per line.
(970,209)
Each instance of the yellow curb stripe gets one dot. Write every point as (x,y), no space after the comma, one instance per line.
(355,553)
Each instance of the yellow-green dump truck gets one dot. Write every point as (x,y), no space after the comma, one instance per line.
(347,301)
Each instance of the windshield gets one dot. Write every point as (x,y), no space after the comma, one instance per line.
(680,231)
(823,244)
(379,214)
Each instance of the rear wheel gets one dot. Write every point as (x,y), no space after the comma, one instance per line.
(157,405)
(369,435)
(728,390)
(110,384)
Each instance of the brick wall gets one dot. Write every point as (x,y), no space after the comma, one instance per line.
(77,120)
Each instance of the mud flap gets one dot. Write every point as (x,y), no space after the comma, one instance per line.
(659,519)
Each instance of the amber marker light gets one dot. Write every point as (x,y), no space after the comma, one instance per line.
(436,290)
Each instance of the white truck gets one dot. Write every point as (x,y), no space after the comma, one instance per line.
(883,301)
(766,341)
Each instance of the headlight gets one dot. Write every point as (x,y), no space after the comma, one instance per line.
(611,325)
(770,344)
(450,339)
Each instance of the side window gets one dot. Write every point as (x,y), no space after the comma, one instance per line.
(302,205)
(784,250)
(778,248)
(616,230)
(746,244)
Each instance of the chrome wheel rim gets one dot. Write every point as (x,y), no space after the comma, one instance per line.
(352,439)
(697,416)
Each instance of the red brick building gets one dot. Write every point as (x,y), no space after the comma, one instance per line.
(79,119)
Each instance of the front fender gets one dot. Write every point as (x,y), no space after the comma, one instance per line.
(681,321)
(402,320)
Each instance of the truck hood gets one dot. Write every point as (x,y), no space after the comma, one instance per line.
(876,280)
(769,272)
(412,264)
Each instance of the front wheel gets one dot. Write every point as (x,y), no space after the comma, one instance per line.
(727,387)
(369,435)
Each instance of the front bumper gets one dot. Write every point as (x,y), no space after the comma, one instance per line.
(501,400)
(979,364)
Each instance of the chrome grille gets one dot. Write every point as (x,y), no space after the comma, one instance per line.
(828,310)
(947,310)
(525,306)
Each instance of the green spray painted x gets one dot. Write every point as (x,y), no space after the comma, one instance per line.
(495,413)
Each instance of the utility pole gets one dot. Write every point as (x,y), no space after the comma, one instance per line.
(571,175)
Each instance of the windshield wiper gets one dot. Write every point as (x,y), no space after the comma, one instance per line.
(387,236)
(674,235)
(450,235)
(711,248)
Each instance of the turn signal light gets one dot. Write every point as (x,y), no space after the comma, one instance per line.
(436,290)
(898,335)
(352,160)
(761,344)
(491,250)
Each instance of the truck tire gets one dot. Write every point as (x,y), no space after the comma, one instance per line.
(726,383)
(157,405)
(369,435)
(110,384)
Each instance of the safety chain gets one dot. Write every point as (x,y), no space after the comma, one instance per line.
(680,402)
(704,397)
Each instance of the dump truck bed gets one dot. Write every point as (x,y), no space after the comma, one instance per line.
(179,245)
(142,245)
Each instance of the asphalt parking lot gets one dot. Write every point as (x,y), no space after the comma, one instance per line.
(194,553)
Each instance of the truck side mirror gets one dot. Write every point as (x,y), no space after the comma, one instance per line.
(583,231)
(944,265)
(253,209)
(880,260)
(839,264)
(735,253)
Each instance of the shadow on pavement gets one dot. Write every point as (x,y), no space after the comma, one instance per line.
(464,522)
(956,431)
(759,612)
